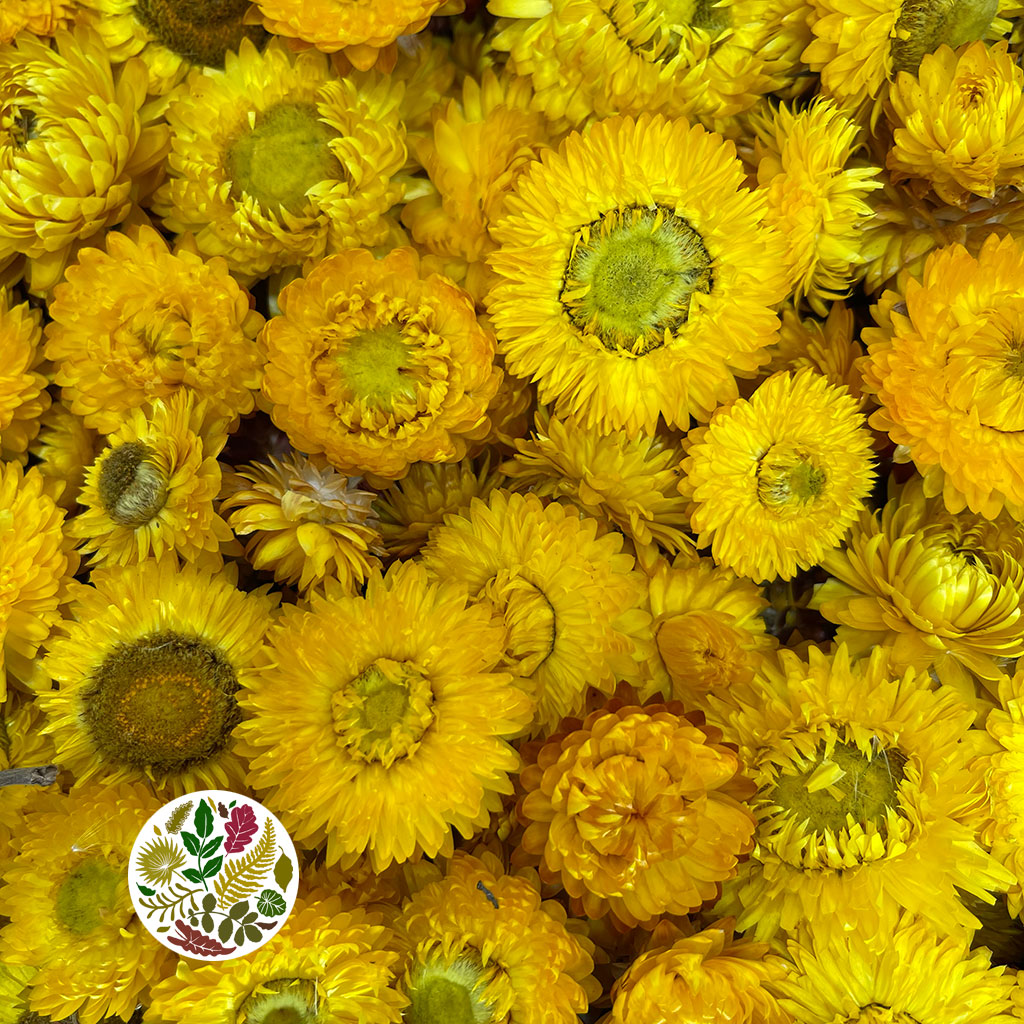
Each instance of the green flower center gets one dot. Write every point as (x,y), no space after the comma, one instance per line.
(787,479)
(88,895)
(442,993)
(164,702)
(656,30)
(281,157)
(374,366)
(924,25)
(1015,362)
(630,277)
(384,712)
(846,782)
(132,489)
(282,1001)
(201,31)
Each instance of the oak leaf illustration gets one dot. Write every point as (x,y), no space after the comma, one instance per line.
(192,940)
(240,829)
(243,876)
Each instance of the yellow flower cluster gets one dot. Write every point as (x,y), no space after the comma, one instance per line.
(565,458)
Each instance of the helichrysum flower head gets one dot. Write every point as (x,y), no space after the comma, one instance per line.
(567,600)
(378,364)
(630,291)
(304,521)
(325,964)
(860,45)
(776,481)
(816,198)
(482,946)
(276,161)
(1003,772)
(148,671)
(827,347)
(170,36)
(153,488)
(864,802)
(708,631)
(911,973)
(479,146)
(959,123)
(37,568)
(401,728)
(65,447)
(946,364)
(71,916)
(708,976)
(590,58)
(636,811)
(23,396)
(411,507)
(630,483)
(135,322)
(360,31)
(937,591)
(38,17)
(68,169)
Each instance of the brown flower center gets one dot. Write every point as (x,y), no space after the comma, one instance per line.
(164,702)
(132,488)
(201,31)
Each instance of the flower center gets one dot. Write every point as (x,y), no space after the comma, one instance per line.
(384,712)
(281,157)
(164,702)
(704,651)
(88,895)
(282,1001)
(131,487)
(373,364)
(201,31)
(442,993)
(848,797)
(630,277)
(924,25)
(529,620)
(787,479)
(877,1014)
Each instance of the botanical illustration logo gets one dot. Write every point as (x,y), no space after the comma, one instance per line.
(213,875)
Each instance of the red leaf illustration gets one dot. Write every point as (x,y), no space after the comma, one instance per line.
(240,829)
(192,940)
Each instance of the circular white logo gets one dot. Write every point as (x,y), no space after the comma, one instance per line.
(213,875)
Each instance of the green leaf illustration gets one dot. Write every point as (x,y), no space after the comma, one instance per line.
(203,820)
(239,910)
(239,937)
(191,842)
(166,928)
(282,871)
(224,931)
(271,903)
(144,890)
(252,934)
(211,867)
(192,875)
(250,918)
(207,923)
(210,848)
(243,876)
(178,816)
(209,901)
(171,900)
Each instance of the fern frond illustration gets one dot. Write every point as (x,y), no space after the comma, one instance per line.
(159,859)
(178,817)
(240,878)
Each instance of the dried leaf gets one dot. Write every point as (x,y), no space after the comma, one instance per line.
(240,829)
(192,940)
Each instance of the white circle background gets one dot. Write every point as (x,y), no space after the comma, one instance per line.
(283,842)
